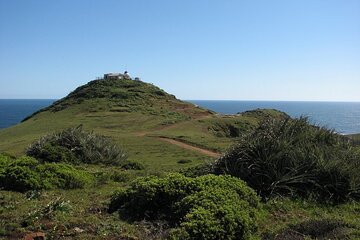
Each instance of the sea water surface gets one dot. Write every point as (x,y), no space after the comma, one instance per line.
(12,111)
(343,117)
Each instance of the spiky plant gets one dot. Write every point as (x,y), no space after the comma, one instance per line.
(77,145)
(292,157)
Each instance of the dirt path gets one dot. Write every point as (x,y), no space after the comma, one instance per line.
(190,147)
(179,143)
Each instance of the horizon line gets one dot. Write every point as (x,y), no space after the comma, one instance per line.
(224,100)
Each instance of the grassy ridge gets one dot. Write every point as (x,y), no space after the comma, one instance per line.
(132,113)
(116,109)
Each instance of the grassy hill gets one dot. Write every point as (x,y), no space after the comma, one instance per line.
(135,114)
(142,119)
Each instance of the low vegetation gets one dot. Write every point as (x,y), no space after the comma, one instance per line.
(207,207)
(26,173)
(293,158)
(75,145)
(315,229)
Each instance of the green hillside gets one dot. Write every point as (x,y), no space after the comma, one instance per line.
(135,114)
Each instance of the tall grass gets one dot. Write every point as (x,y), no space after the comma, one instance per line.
(77,145)
(292,157)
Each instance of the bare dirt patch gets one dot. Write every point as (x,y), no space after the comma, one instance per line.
(190,147)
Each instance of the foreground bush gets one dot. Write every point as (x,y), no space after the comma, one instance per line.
(75,145)
(27,173)
(206,207)
(292,157)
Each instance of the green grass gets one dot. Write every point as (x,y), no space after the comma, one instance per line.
(281,213)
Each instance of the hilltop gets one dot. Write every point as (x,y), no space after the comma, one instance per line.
(125,95)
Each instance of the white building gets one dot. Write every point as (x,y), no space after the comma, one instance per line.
(117,76)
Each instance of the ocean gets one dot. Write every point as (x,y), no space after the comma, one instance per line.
(12,111)
(343,117)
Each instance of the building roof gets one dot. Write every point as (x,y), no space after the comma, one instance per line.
(113,74)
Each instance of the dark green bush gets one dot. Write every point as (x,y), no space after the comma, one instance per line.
(132,165)
(4,160)
(206,207)
(292,157)
(184,161)
(120,176)
(20,174)
(230,130)
(75,145)
(62,176)
(27,173)
(198,170)
(50,152)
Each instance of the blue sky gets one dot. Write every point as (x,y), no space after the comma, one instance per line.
(203,49)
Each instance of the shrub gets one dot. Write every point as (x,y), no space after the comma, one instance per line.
(132,165)
(76,145)
(292,157)
(120,176)
(50,152)
(229,130)
(184,161)
(198,170)
(20,175)
(63,176)
(206,207)
(27,173)
(4,160)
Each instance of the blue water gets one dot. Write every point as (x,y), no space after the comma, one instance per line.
(12,111)
(343,117)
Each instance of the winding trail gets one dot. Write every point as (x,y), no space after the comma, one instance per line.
(180,143)
(190,147)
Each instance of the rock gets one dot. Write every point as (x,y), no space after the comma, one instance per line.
(78,230)
(35,236)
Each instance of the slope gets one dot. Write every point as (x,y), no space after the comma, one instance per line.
(138,116)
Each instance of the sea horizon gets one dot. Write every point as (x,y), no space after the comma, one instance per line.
(343,117)
(189,100)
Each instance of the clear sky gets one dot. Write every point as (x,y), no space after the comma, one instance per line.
(195,49)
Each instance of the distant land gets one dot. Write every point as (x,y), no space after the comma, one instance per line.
(343,117)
